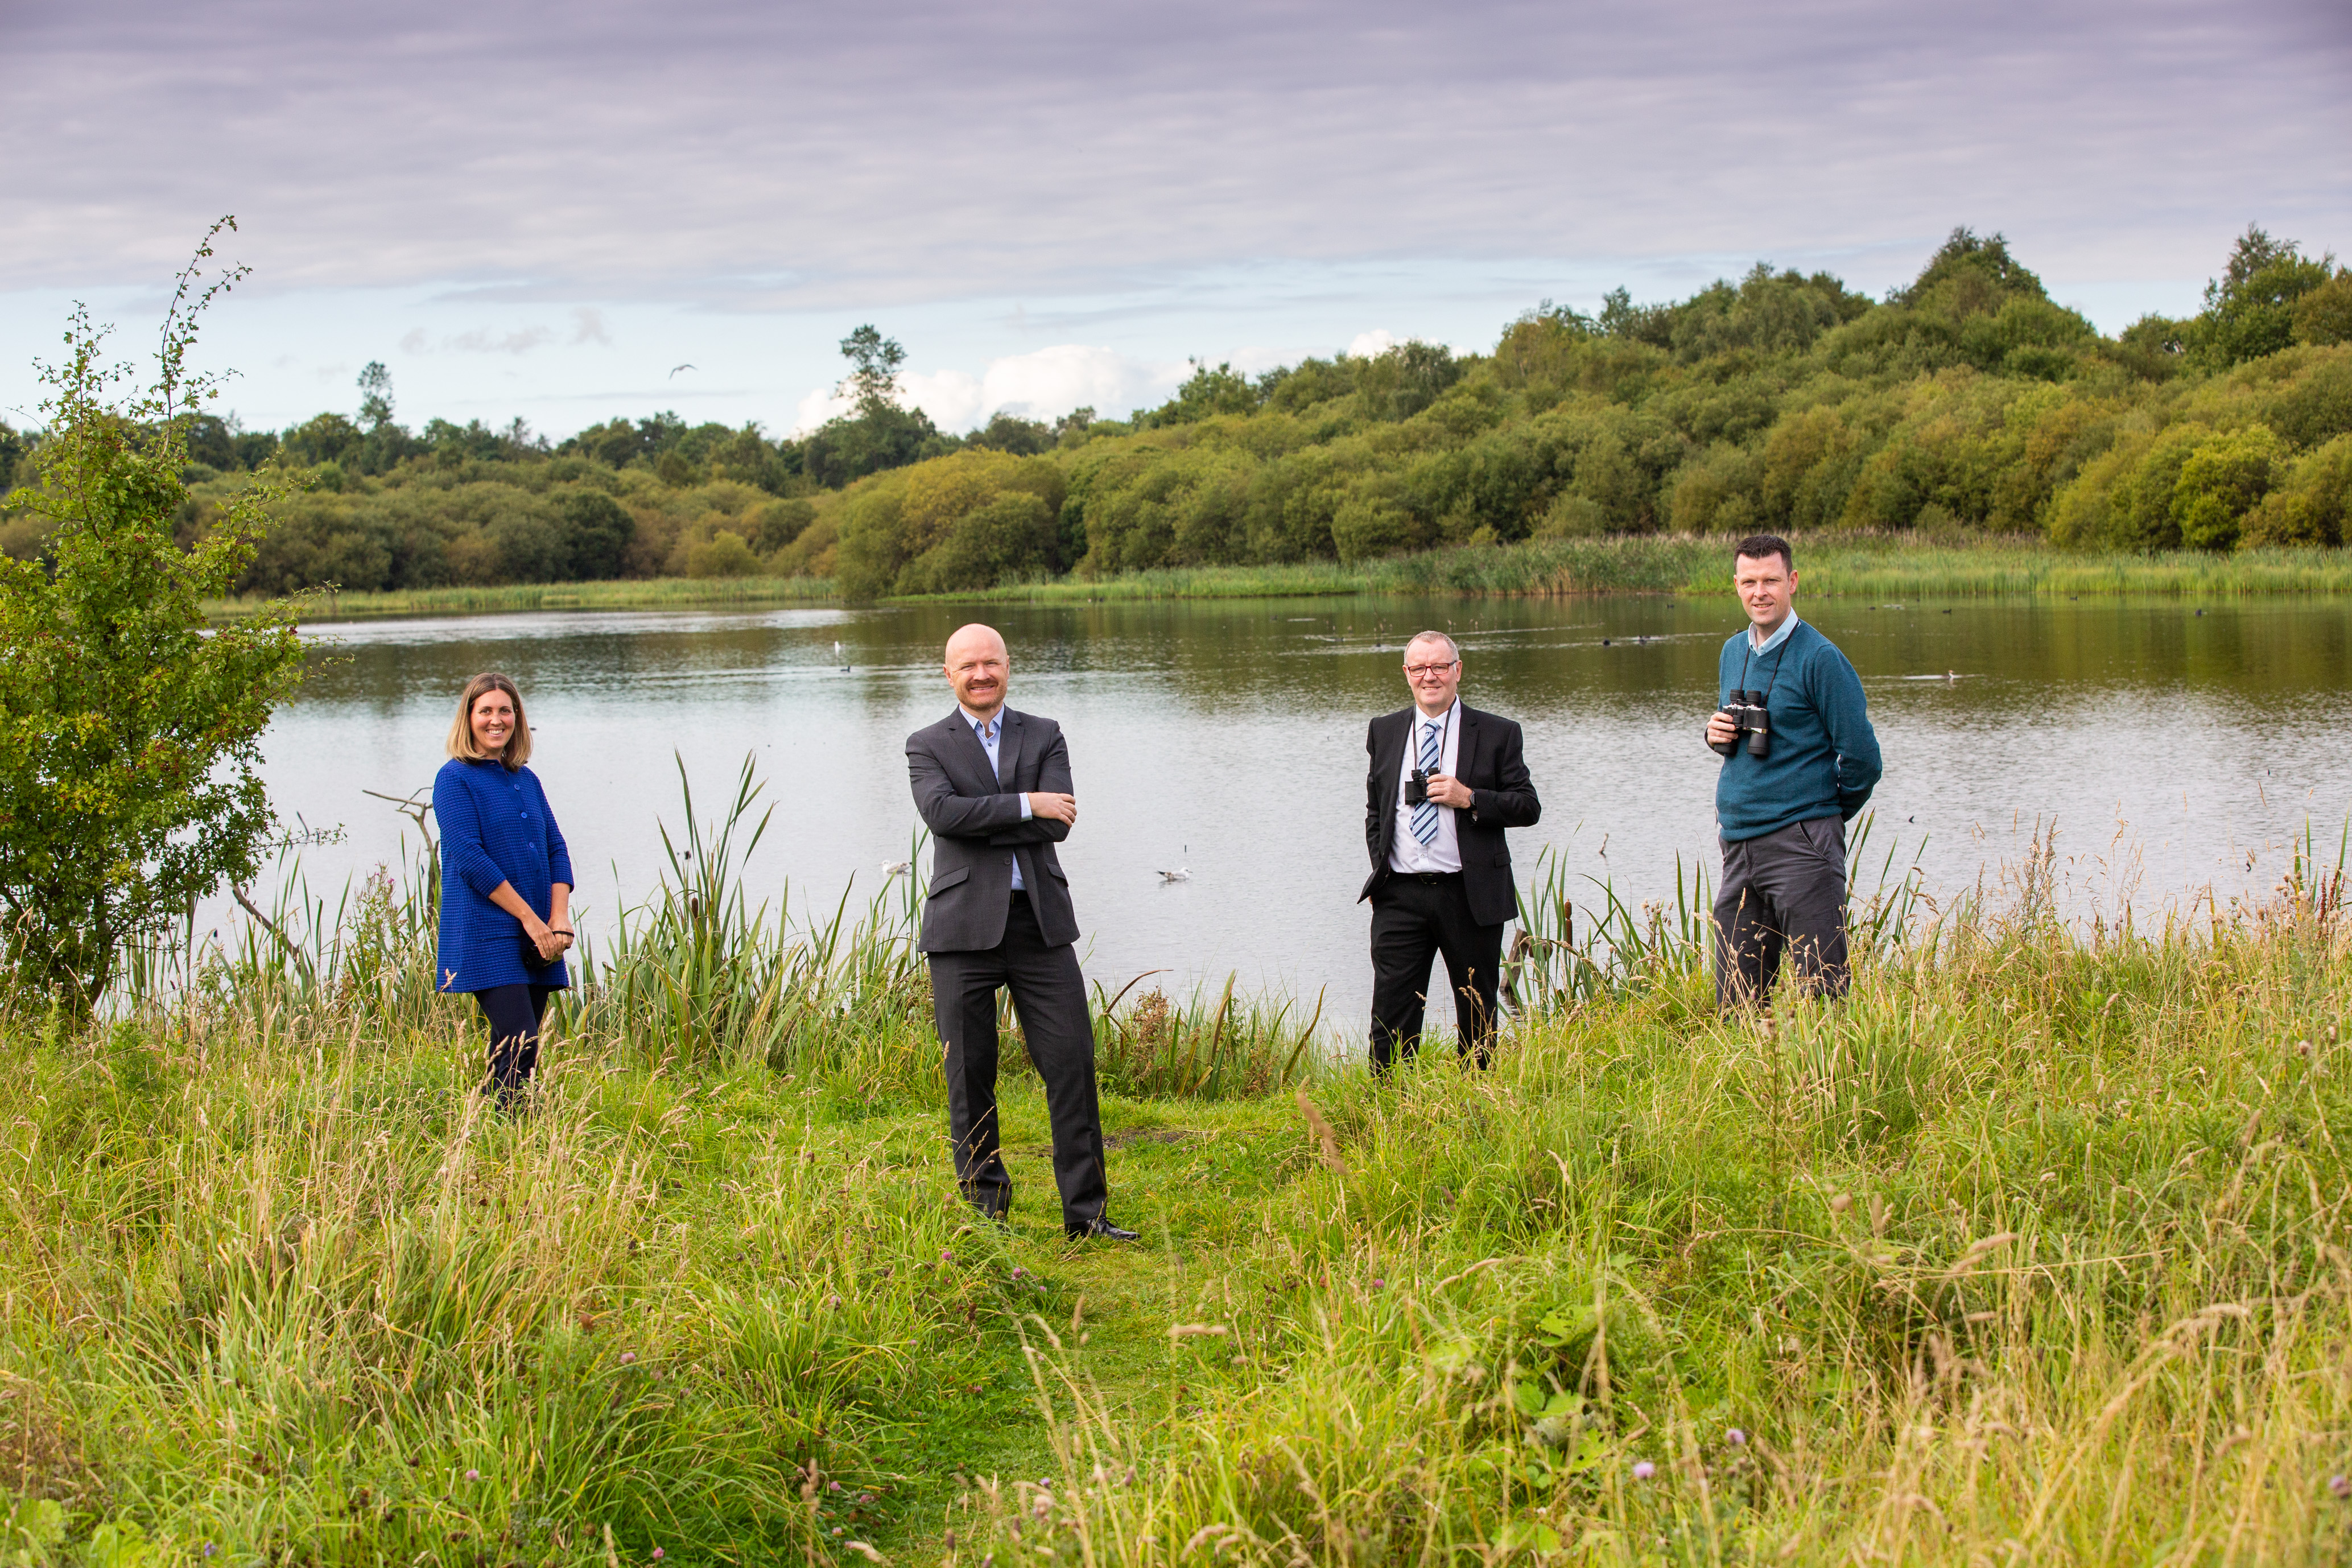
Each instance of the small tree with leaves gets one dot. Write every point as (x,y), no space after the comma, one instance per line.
(873,361)
(130,729)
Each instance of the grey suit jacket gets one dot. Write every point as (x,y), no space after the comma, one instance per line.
(977,830)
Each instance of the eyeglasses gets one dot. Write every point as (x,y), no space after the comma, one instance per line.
(1425,671)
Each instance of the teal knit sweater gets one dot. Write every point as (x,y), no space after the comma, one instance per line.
(1824,756)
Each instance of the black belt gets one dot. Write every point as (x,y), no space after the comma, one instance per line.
(1429,876)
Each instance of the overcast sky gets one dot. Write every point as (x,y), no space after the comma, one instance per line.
(541,210)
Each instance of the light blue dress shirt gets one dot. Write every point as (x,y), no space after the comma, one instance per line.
(989,731)
(1766,646)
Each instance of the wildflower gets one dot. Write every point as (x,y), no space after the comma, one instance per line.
(837,1530)
(657,1553)
(1643,1471)
(1379,1283)
(1736,1437)
(2340,1485)
(833,1486)
(209,1548)
(832,1301)
(627,1356)
(473,1475)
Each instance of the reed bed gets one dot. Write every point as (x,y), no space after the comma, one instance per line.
(626,594)
(2033,1250)
(1834,564)
(1845,565)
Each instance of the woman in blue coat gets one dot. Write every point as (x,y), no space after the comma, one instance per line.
(506,879)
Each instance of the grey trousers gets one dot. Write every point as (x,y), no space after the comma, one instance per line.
(1782,893)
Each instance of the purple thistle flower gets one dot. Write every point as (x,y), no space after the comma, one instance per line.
(1737,1438)
(627,1356)
(1643,1471)
(473,1475)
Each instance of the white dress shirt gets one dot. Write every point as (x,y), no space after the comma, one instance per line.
(989,732)
(1407,853)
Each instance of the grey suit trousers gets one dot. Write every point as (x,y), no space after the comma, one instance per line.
(1782,893)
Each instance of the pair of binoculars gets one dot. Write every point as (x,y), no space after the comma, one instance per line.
(1416,787)
(1746,709)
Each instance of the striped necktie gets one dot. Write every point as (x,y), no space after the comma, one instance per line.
(1424,816)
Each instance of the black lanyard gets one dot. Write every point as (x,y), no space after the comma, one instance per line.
(1779,657)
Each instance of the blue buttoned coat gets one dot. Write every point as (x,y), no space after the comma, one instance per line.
(495,828)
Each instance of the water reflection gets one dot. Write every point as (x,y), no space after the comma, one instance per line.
(1228,737)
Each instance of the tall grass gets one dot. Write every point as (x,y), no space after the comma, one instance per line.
(1845,565)
(1833,564)
(627,593)
(2035,1249)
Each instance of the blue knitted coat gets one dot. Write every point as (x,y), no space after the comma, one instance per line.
(495,828)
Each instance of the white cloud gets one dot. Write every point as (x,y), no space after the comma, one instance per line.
(1365,345)
(481,341)
(1042,384)
(588,326)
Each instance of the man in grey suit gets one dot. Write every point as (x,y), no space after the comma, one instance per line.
(994,787)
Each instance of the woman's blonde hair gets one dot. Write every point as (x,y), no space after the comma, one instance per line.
(461,734)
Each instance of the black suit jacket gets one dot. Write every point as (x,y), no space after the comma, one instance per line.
(977,829)
(1487,758)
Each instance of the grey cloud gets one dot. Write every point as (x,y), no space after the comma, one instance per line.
(748,157)
(480,341)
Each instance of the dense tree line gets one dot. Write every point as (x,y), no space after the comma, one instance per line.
(1966,401)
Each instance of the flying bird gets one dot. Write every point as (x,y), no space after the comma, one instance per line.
(675,368)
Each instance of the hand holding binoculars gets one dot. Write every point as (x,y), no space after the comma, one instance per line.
(1748,714)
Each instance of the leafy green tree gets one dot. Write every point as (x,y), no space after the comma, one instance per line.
(129,729)
(1971,277)
(873,361)
(601,533)
(323,438)
(2325,314)
(2312,506)
(841,451)
(2222,480)
(375,395)
(1205,393)
(2249,308)
(1010,433)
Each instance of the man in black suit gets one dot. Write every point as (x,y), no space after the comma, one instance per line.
(994,787)
(1441,879)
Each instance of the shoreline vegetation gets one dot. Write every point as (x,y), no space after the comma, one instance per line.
(2033,1249)
(1966,407)
(1839,566)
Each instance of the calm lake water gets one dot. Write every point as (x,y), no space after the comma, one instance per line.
(2174,752)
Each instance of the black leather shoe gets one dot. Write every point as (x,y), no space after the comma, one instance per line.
(1102,1231)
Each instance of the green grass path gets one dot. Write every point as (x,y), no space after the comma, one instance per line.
(1187,1176)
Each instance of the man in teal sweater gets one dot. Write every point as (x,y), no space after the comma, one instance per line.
(1789,786)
